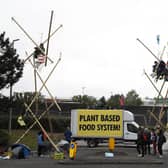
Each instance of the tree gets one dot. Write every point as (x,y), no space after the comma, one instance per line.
(102,103)
(77,98)
(4,103)
(113,101)
(133,99)
(19,98)
(87,101)
(11,67)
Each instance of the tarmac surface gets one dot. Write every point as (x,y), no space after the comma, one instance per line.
(124,156)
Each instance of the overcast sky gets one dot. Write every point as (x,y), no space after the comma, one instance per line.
(100,53)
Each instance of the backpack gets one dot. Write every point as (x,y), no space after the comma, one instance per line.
(144,137)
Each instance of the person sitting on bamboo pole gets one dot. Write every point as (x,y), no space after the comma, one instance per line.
(39,56)
(160,70)
(166,72)
(154,69)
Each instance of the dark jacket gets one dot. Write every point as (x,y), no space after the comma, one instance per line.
(68,135)
(140,138)
(161,137)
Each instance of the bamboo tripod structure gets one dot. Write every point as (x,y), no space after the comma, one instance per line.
(159,91)
(36,73)
(161,113)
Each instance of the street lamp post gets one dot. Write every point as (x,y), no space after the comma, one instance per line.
(10,110)
(83,88)
(12,44)
(10,97)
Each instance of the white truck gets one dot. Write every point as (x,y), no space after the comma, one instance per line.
(95,126)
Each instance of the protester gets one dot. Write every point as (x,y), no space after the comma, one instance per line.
(154,69)
(63,146)
(147,141)
(160,70)
(160,140)
(68,134)
(153,140)
(140,142)
(43,145)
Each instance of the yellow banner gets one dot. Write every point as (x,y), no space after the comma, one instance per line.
(100,123)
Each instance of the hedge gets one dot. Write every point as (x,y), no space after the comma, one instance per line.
(4,138)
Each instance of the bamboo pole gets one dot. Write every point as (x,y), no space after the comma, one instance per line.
(42,128)
(52,34)
(34,123)
(49,119)
(152,112)
(162,52)
(46,86)
(160,91)
(154,116)
(35,89)
(163,105)
(152,83)
(45,83)
(48,40)
(159,94)
(148,49)
(30,38)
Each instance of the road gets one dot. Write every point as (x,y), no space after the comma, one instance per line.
(124,157)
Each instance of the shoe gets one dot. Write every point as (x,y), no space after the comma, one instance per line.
(160,156)
(139,155)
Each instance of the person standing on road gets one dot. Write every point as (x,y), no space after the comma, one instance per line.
(153,140)
(160,140)
(68,134)
(140,142)
(41,147)
(147,141)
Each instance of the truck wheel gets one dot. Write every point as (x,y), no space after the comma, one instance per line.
(92,143)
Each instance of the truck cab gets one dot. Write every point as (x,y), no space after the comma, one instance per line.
(130,127)
(130,131)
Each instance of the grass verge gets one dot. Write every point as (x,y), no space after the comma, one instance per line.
(31,138)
